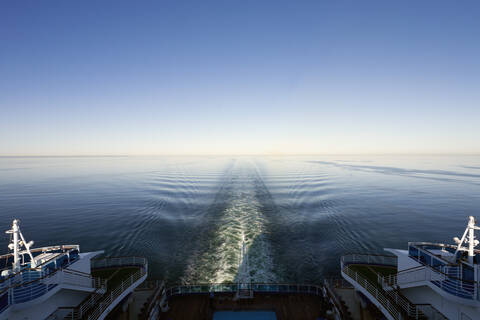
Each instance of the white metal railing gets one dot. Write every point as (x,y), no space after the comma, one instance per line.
(39,285)
(404,277)
(118,262)
(448,281)
(81,280)
(30,283)
(369,259)
(392,300)
(114,294)
(94,307)
(380,295)
(91,302)
(64,248)
(255,287)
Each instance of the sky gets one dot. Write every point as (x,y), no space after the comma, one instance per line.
(239,77)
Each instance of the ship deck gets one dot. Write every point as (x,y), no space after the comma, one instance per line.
(285,306)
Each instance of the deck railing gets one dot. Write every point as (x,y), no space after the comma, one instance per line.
(329,288)
(153,305)
(96,304)
(9,257)
(449,281)
(375,259)
(255,287)
(445,273)
(398,306)
(119,262)
(396,309)
(33,284)
(93,309)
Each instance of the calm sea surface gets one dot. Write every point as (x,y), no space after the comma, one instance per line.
(190,215)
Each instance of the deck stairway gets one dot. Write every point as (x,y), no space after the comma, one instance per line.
(367,273)
(447,279)
(99,303)
(36,283)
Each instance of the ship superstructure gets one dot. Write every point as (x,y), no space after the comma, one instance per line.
(427,281)
(59,281)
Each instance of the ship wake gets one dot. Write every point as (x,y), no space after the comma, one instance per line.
(240,220)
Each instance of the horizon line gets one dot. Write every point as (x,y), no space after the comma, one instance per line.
(237,154)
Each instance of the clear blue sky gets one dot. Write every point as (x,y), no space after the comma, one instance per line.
(203,77)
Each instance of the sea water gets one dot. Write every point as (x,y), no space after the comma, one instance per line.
(190,216)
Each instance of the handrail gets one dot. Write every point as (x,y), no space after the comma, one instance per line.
(439,271)
(379,294)
(204,288)
(44,276)
(153,301)
(441,245)
(36,282)
(447,262)
(43,249)
(369,255)
(369,259)
(454,285)
(117,261)
(98,302)
(76,272)
(33,290)
(95,299)
(384,297)
(125,284)
(412,268)
(334,299)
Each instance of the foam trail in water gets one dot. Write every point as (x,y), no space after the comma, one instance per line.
(240,220)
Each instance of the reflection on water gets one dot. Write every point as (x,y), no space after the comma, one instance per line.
(190,215)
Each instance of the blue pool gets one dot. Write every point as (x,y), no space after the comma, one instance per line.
(243,315)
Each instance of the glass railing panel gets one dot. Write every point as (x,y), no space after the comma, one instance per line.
(467,273)
(4,301)
(425,258)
